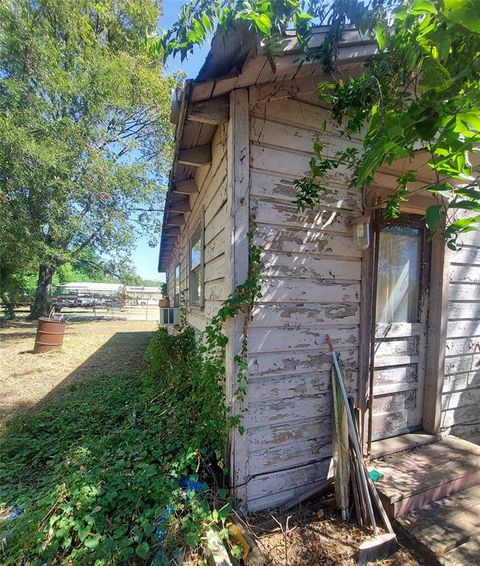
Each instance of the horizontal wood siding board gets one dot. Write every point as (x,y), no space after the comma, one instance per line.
(283,339)
(464,291)
(465,273)
(462,346)
(304,265)
(295,385)
(469,328)
(214,268)
(274,237)
(296,453)
(269,211)
(271,435)
(469,310)
(284,481)
(296,290)
(293,164)
(266,315)
(216,246)
(462,363)
(282,188)
(216,225)
(270,364)
(282,135)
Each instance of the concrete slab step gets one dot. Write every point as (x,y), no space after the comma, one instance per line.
(417,477)
(467,554)
(445,525)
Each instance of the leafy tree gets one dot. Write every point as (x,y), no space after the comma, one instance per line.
(85,132)
(421,91)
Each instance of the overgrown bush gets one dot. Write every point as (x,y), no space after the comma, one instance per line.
(101,470)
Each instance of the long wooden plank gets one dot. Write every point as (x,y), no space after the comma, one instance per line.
(310,314)
(283,455)
(265,364)
(296,290)
(295,137)
(290,163)
(294,385)
(298,240)
(268,184)
(283,339)
(268,436)
(284,481)
(286,214)
(300,265)
(237,228)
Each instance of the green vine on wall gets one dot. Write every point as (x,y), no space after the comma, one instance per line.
(242,300)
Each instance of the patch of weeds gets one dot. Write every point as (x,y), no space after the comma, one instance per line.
(98,470)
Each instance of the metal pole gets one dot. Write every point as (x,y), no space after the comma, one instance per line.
(353,437)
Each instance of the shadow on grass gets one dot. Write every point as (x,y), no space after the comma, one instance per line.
(95,465)
(123,352)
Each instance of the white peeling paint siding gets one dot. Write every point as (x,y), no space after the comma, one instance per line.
(311,288)
(461,388)
(210,207)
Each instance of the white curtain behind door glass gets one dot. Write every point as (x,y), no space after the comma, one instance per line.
(398,275)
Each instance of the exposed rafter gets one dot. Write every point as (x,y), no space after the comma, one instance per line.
(172,231)
(214,111)
(176,220)
(196,156)
(179,203)
(186,187)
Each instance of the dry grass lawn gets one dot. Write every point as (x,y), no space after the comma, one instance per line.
(89,348)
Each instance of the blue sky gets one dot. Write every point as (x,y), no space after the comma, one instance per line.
(144,257)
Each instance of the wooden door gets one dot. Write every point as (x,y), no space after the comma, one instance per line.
(402,256)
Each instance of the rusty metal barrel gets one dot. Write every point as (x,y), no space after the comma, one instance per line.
(50,333)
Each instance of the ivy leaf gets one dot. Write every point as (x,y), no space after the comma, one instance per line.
(420,7)
(464,12)
(433,216)
(381,35)
(142,550)
(263,23)
(92,542)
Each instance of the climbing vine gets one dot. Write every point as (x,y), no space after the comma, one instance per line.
(420,91)
(242,300)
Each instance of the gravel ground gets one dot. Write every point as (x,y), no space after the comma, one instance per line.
(108,347)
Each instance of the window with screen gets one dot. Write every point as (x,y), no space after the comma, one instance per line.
(398,286)
(176,286)
(196,266)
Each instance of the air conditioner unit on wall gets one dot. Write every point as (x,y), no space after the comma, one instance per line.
(170,315)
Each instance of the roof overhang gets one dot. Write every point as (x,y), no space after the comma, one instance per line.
(236,60)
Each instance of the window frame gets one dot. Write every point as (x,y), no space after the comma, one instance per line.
(176,284)
(198,230)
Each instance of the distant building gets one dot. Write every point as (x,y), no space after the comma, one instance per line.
(90,288)
(132,295)
(145,295)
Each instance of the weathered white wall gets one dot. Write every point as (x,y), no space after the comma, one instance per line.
(312,288)
(210,205)
(461,387)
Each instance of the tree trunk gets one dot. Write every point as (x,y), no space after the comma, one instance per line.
(43,295)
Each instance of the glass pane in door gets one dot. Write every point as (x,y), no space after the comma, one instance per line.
(398,284)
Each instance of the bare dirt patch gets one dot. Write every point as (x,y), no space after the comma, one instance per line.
(308,540)
(90,348)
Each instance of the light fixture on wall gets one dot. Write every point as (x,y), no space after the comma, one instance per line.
(361,231)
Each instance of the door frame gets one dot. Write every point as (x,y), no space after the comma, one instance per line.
(436,321)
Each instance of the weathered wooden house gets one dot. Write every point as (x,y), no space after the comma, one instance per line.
(244,133)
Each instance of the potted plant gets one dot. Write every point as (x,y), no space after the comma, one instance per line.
(164,301)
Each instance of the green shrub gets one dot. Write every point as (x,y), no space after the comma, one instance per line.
(98,467)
